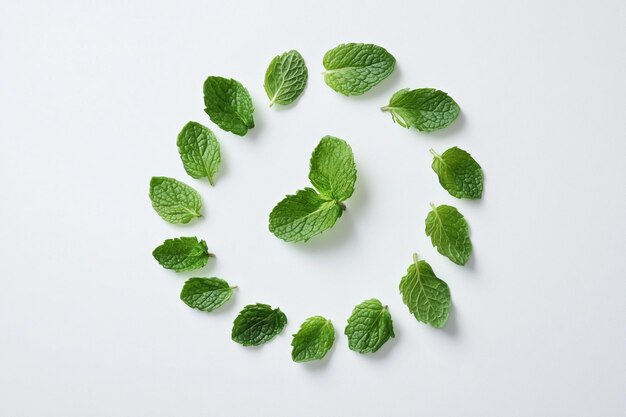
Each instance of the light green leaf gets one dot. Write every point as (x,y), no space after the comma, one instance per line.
(449,233)
(257,324)
(458,173)
(206,294)
(314,339)
(354,68)
(228,104)
(301,216)
(285,78)
(173,200)
(369,327)
(182,254)
(333,171)
(426,296)
(425,109)
(199,151)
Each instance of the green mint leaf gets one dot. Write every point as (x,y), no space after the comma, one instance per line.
(369,327)
(257,324)
(206,294)
(458,173)
(314,339)
(174,201)
(285,78)
(333,171)
(199,151)
(228,104)
(354,68)
(182,254)
(425,109)
(426,296)
(449,233)
(299,217)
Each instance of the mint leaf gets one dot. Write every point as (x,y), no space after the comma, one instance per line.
(206,294)
(301,216)
(199,151)
(354,68)
(173,200)
(257,324)
(458,173)
(182,254)
(285,78)
(426,296)
(425,109)
(369,327)
(333,171)
(228,104)
(314,339)
(449,233)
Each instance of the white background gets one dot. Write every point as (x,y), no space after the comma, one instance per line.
(92,96)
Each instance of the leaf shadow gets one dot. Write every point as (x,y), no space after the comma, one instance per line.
(259,125)
(452,326)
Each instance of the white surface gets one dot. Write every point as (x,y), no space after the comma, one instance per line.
(92,96)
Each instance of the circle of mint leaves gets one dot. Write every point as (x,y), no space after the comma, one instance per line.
(351,69)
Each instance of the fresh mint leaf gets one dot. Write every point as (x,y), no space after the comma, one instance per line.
(228,104)
(301,216)
(449,233)
(369,327)
(333,171)
(354,68)
(314,339)
(458,173)
(206,294)
(426,296)
(257,324)
(174,201)
(182,254)
(285,78)
(199,151)
(425,109)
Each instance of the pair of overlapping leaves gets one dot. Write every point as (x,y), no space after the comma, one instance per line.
(309,211)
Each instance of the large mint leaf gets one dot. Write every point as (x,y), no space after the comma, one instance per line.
(206,294)
(182,254)
(314,339)
(301,216)
(173,200)
(449,233)
(426,296)
(425,109)
(199,151)
(354,68)
(333,171)
(257,324)
(285,78)
(369,327)
(458,173)
(228,104)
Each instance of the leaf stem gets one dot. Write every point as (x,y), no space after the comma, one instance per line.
(435,154)
(433,206)
(415,258)
(211,181)
(384,108)
(343,206)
